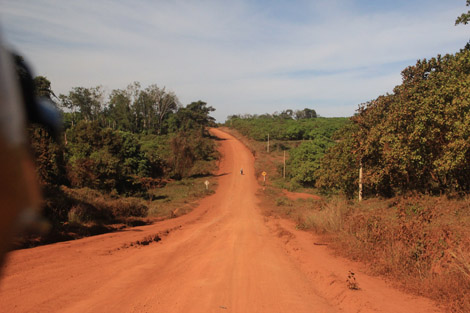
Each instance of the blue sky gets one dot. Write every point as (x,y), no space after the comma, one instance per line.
(239,56)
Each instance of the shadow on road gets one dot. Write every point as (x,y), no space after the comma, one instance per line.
(216,138)
(209,175)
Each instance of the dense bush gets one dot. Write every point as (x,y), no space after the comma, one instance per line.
(316,133)
(116,150)
(304,160)
(104,159)
(187,149)
(258,127)
(339,167)
(414,139)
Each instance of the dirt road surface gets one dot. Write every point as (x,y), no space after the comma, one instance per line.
(224,256)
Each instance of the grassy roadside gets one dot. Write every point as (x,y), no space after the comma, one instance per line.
(179,197)
(88,212)
(420,243)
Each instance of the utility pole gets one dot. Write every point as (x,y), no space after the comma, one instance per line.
(360,181)
(284,171)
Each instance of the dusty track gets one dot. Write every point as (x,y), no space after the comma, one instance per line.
(224,256)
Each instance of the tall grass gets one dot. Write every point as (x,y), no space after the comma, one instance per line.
(328,219)
(421,243)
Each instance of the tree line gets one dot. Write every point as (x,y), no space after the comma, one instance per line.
(293,125)
(414,139)
(310,137)
(133,109)
(125,141)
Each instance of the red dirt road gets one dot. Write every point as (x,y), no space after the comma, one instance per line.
(224,256)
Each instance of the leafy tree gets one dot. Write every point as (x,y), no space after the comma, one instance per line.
(104,149)
(89,101)
(119,110)
(258,127)
(339,167)
(163,103)
(157,153)
(143,112)
(183,155)
(48,154)
(465,17)
(304,161)
(286,114)
(416,138)
(195,116)
(104,159)
(42,87)
(305,114)
(188,149)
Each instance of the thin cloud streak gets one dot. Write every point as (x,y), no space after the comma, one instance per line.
(239,56)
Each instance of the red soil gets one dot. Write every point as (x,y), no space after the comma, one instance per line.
(222,256)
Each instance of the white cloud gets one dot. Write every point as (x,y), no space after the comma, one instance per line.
(239,56)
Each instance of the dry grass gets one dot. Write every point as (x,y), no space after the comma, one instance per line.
(421,243)
(76,213)
(179,197)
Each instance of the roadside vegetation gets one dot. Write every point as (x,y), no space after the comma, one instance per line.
(413,147)
(126,158)
(301,134)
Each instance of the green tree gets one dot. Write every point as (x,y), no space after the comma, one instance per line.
(48,154)
(305,114)
(89,101)
(42,87)
(143,111)
(304,161)
(339,167)
(105,159)
(286,114)
(416,138)
(190,153)
(195,116)
(163,103)
(119,110)
(465,17)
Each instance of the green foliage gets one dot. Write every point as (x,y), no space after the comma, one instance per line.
(117,152)
(112,145)
(132,109)
(304,161)
(42,87)
(416,138)
(119,110)
(339,168)
(187,149)
(157,151)
(89,101)
(104,159)
(305,113)
(465,17)
(48,156)
(278,128)
(195,116)
(304,158)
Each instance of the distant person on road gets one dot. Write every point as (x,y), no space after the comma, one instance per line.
(241,171)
